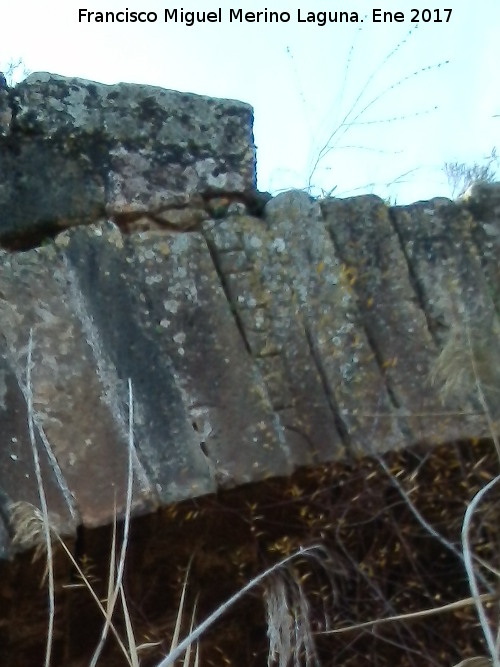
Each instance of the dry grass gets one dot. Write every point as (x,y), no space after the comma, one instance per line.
(33,527)
(290,632)
(471,358)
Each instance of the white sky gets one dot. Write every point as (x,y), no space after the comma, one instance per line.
(303,81)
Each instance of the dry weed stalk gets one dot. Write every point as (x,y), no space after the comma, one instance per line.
(491,641)
(288,621)
(471,357)
(288,612)
(470,361)
(414,615)
(27,526)
(115,582)
(477,661)
(28,392)
(225,606)
(33,527)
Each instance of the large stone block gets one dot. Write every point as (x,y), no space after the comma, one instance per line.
(76,148)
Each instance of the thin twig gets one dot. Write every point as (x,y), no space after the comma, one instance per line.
(195,634)
(43,502)
(87,583)
(452,606)
(423,521)
(468,561)
(126,528)
(480,393)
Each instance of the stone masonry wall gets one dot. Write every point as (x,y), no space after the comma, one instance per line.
(260,334)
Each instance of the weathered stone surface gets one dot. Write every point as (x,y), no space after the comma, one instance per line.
(446,264)
(76,148)
(181,219)
(483,202)
(263,338)
(259,334)
(339,347)
(104,308)
(391,314)
(5,113)
(160,313)
(18,482)
(83,432)
(44,189)
(272,327)
(254,346)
